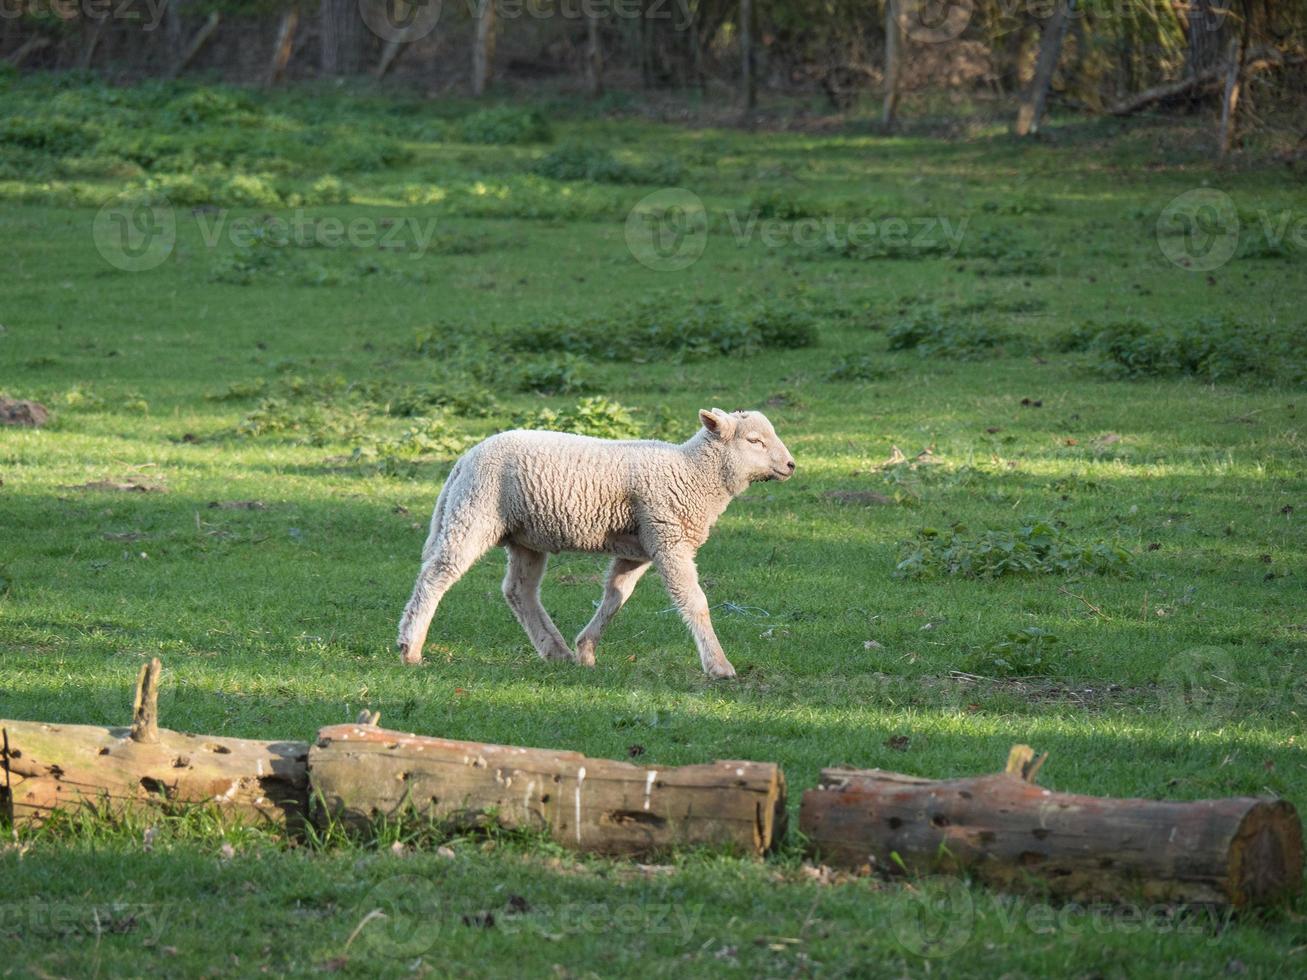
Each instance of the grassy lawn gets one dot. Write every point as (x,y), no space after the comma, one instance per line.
(1110,443)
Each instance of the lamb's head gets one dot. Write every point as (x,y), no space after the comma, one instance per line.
(750,449)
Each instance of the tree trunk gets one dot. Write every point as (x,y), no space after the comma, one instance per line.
(362,773)
(390,53)
(281,51)
(1230,97)
(1205,35)
(483,46)
(748,83)
(594,59)
(1006,831)
(1031,111)
(340,30)
(696,49)
(91,32)
(144,768)
(197,42)
(1170,90)
(33,44)
(893,65)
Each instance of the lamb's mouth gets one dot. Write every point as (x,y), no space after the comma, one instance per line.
(779,475)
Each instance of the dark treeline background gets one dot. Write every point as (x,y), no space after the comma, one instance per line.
(1241,60)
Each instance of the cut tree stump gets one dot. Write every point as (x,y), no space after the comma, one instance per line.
(1006,831)
(143,767)
(361,773)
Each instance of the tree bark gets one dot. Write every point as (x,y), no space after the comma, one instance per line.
(1031,111)
(33,44)
(362,773)
(1204,32)
(284,46)
(390,53)
(1230,97)
(340,37)
(1008,832)
(696,49)
(594,59)
(1170,90)
(748,83)
(91,32)
(197,42)
(893,65)
(483,46)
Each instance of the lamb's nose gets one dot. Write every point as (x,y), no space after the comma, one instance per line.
(790,464)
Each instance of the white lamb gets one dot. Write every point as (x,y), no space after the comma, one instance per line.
(537,493)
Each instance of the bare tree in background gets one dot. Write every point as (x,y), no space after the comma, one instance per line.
(284,46)
(340,31)
(1205,36)
(594,59)
(748,85)
(483,46)
(1031,111)
(893,64)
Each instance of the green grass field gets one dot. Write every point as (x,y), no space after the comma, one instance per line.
(1100,552)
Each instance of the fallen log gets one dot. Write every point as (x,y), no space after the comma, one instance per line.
(1008,832)
(143,768)
(360,773)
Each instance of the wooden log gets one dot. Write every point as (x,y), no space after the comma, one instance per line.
(63,767)
(361,773)
(1011,833)
(49,768)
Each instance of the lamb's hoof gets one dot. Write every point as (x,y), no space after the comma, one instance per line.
(721,671)
(410,657)
(585,653)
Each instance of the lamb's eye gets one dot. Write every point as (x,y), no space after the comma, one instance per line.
(755,440)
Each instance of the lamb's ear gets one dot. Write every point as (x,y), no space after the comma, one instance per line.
(717,422)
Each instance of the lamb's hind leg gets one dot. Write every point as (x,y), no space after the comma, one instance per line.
(623,574)
(526,568)
(445,560)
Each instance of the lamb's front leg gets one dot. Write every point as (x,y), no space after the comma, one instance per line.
(682,580)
